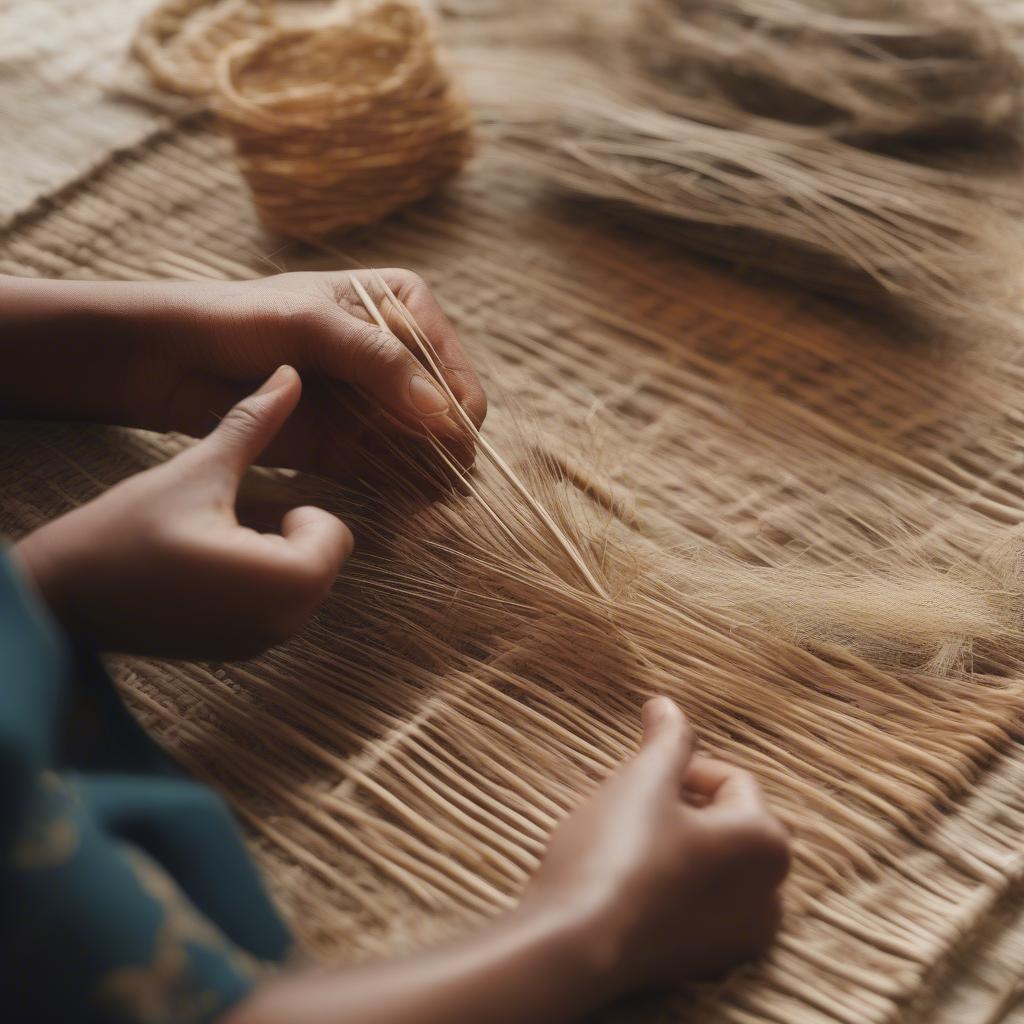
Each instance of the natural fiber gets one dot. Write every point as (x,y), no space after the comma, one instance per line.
(339,124)
(823,213)
(864,70)
(546,672)
(744,133)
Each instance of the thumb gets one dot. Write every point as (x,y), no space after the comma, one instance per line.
(247,429)
(668,739)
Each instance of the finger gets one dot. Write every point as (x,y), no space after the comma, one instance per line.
(375,360)
(723,785)
(201,401)
(250,425)
(668,740)
(323,540)
(422,305)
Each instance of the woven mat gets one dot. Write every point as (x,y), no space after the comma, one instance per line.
(749,390)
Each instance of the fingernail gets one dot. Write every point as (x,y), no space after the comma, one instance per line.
(274,381)
(427,397)
(658,707)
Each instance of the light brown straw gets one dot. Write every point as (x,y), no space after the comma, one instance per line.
(809,547)
(804,205)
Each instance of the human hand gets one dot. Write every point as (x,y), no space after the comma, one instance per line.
(160,565)
(177,355)
(240,331)
(673,866)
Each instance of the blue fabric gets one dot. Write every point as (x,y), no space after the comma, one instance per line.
(126,893)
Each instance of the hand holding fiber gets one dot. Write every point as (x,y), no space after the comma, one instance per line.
(177,355)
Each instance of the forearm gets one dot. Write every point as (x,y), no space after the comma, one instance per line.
(526,968)
(72,349)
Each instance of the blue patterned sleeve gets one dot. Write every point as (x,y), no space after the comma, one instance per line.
(126,893)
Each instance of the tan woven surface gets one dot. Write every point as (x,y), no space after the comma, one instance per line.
(789,425)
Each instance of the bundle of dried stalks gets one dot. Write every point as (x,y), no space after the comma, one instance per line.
(852,69)
(179,41)
(340,123)
(814,209)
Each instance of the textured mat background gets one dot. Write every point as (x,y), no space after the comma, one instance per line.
(748,390)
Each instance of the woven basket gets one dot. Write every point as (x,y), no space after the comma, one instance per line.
(339,124)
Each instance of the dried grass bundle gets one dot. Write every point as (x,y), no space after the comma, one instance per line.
(851,69)
(823,213)
(338,124)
